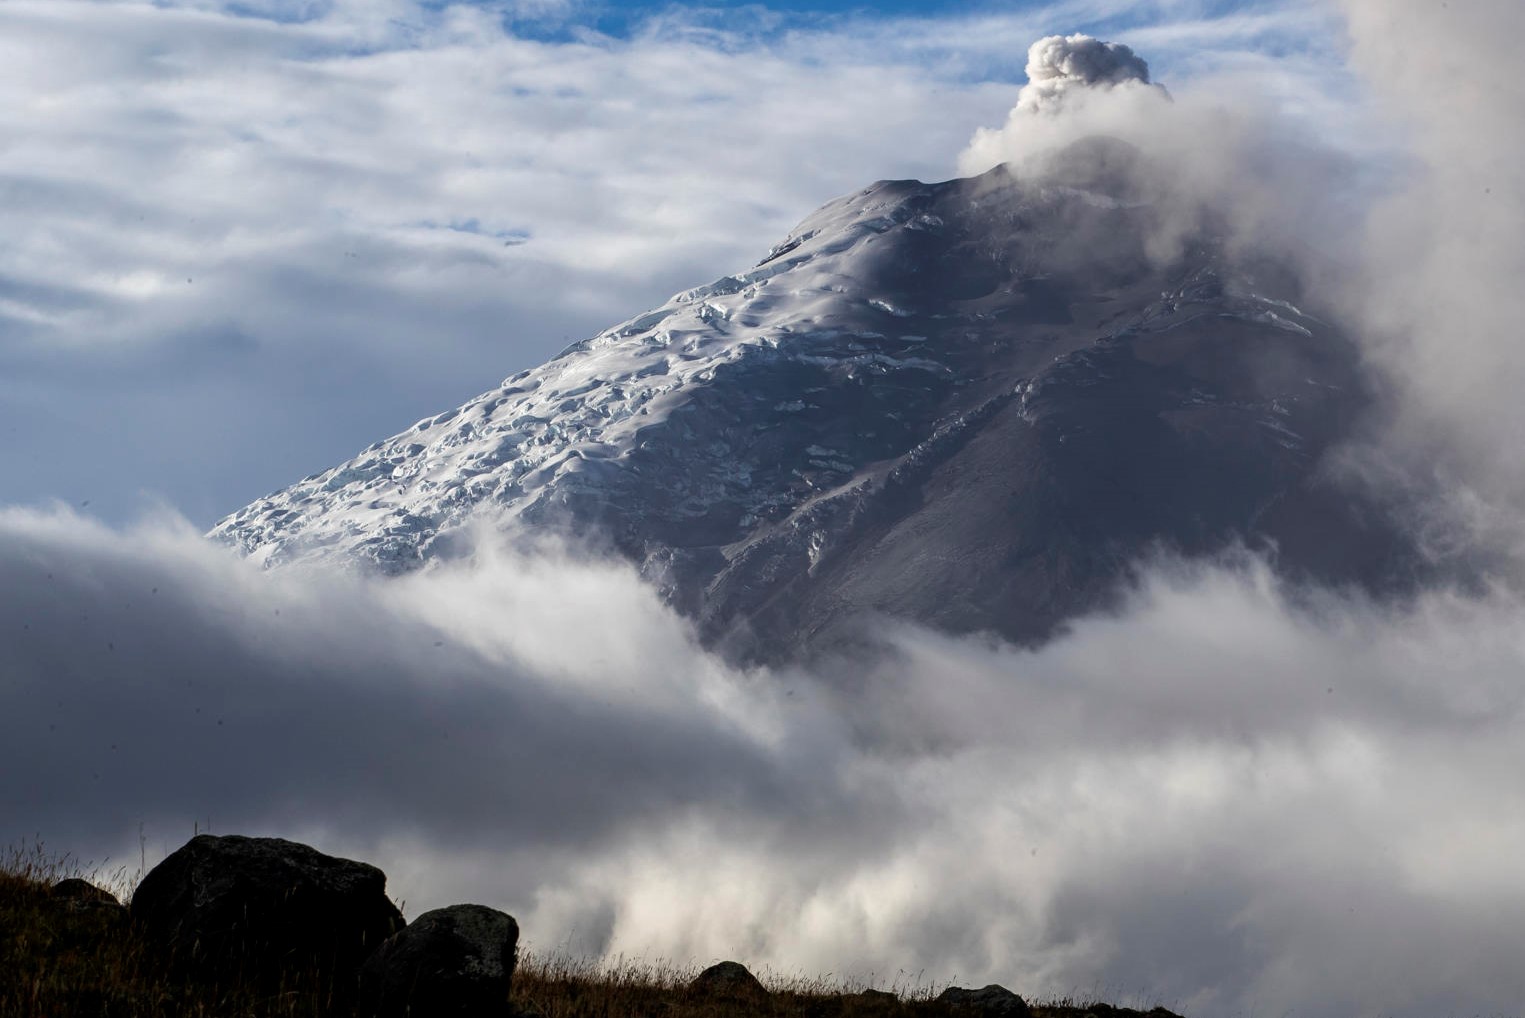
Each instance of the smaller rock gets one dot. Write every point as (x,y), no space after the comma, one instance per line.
(451,961)
(874,1002)
(75,889)
(728,979)
(877,997)
(84,902)
(993,1001)
(83,916)
(825,1007)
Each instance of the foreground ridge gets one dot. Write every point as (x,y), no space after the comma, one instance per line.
(69,947)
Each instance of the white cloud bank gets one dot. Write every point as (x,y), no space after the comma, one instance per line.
(1224,798)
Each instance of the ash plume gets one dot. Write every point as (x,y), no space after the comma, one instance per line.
(1061,65)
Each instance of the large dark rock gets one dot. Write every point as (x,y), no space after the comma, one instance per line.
(993,1001)
(265,910)
(729,979)
(452,961)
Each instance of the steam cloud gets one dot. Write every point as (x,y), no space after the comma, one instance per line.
(1077,86)
(1060,65)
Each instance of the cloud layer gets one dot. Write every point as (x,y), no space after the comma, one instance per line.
(1225,798)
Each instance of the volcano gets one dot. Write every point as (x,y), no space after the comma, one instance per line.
(972,405)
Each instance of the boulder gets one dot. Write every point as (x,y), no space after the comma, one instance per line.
(83,916)
(84,901)
(993,1001)
(264,910)
(727,979)
(862,1004)
(75,889)
(881,997)
(453,961)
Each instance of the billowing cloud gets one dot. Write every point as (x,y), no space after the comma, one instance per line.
(1439,290)
(1401,215)
(1227,796)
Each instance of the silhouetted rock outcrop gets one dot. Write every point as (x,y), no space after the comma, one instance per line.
(453,961)
(993,1001)
(728,979)
(81,915)
(265,909)
(82,898)
(881,997)
(75,889)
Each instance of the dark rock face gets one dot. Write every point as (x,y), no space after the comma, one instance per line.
(993,1001)
(449,962)
(728,979)
(265,909)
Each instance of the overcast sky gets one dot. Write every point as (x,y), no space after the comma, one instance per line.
(246,240)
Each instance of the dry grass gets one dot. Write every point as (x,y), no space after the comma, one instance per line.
(68,961)
(559,986)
